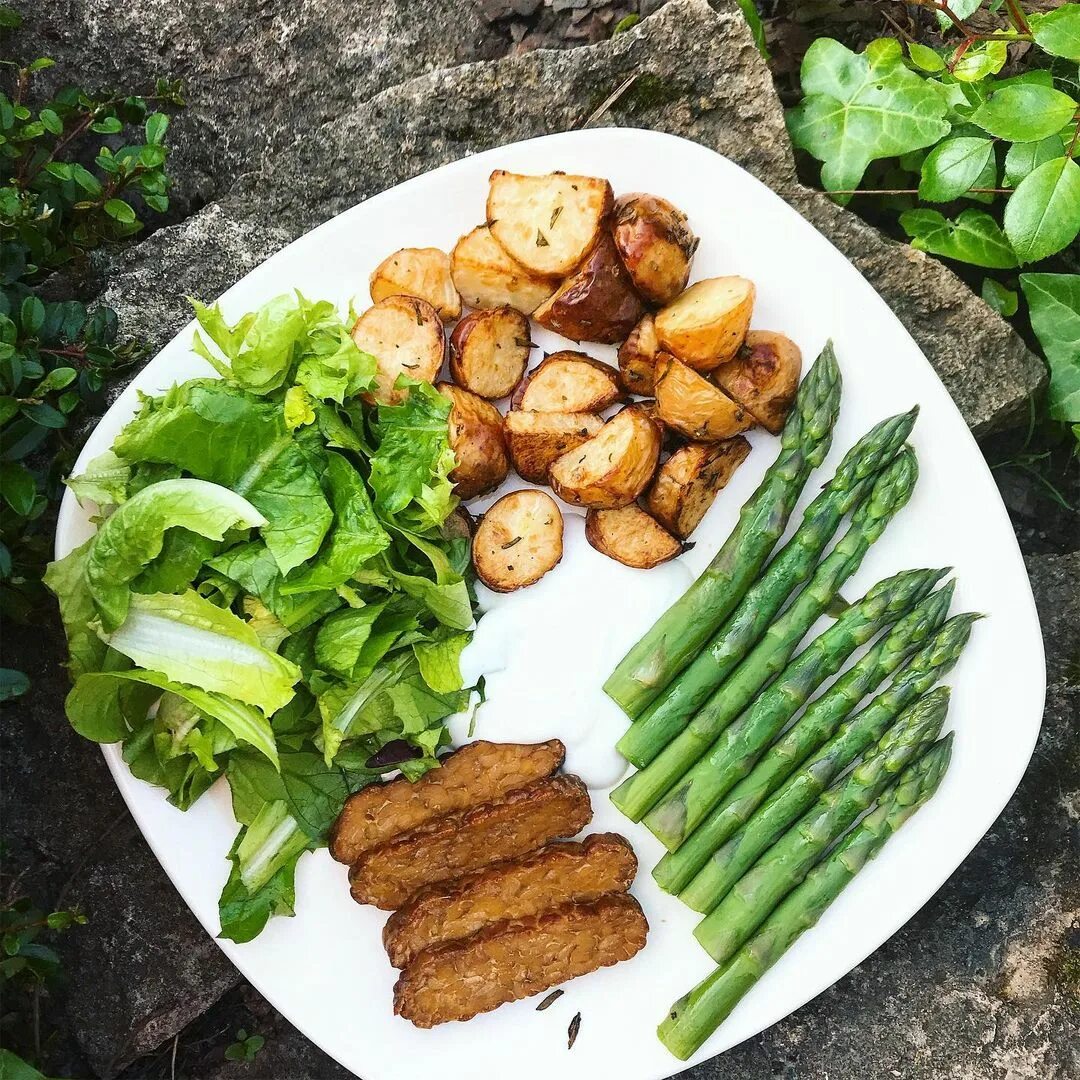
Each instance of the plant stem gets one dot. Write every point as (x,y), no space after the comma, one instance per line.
(907,191)
(1016,15)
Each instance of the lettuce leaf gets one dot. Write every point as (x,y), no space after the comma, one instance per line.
(104,481)
(440,661)
(66,580)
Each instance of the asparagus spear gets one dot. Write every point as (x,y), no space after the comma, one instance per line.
(682,630)
(636,795)
(668,714)
(733,858)
(737,748)
(695,1016)
(818,723)
(734,920)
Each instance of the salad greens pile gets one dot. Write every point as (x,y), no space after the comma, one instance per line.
(276,592)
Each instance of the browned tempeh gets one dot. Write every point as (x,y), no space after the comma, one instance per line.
(557,874)
(475,774)
(517,823)
(518,958)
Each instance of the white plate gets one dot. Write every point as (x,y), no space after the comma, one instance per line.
(325,969)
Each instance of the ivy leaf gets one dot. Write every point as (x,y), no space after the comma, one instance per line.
(952,167)
(1043,215)
(1054,305)
(1058,32)
(1004,301)
(1022,158)
(976,64)
(925,58)
(974,237)
(1024,112)
(860,107)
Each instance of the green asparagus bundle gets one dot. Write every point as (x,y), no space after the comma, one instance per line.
(817,724)
(685,627)
(733,921)
(694,1017)
(734,857)
(793,564)
(636,795)
(742,742)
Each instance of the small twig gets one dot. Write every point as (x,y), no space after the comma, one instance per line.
(172,1063)
(1019,20)
(898,28)
(906,191)
(958,55)
(611,99)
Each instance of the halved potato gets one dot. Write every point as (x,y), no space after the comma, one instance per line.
(536,439)
(405,335)
(705,325)
(568,381)
(486,277)
(613,467)
(628,535)
(691,405)
(489,351)
(656,245)
(763,377)
(420,272)
(518,541)
(688,481)
(547,223)
(597,302)
(637,358)
(476,437)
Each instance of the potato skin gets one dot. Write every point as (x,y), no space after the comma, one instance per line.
(518,540)
(489,351)
(597,302)
(537,439)
(630,536)
(487,277)
(693,406)
(613,467)
(763,377)
(705,325)
(688,482)
(568,381)
(655,243)
(419,272)
(476,437)
(405,335)
(637,358)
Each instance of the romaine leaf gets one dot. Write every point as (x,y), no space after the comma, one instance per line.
(342,636)
(190,640)
(440,661)
(133,536)
(104,481)
(176,567)
(449,603)
(66,580)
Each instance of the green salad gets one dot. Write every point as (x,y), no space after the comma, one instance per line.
(276,592)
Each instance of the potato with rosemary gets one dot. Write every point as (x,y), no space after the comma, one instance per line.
(691,405)
(537,439)
(655,243)
(476,437)
(763,377)
(568,381)
(489,351)
(630,536)
(637,358)
(405,335)
(487,277)
(518,540)
(687,483)
(420,272)
(706,324)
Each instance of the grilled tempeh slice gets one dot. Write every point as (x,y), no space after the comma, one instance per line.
(557,874)
(477,773)
(457,843)
(517,959)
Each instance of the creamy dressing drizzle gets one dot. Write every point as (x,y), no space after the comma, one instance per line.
(546,650)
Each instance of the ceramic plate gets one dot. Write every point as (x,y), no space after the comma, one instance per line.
(325,969)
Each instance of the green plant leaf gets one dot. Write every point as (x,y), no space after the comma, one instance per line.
(13,684)
(952,167)
(1024,112)
(977,63)
(118,209)
(1043,215)
(1058,32)
(757,28)
(1023,158)
(1054,305)
(156,123)
(962,9)
(17,487)
(52,122)
(925,58)
(12,1067)
(861,107)
(1004,301)
(974,237)
(108,125)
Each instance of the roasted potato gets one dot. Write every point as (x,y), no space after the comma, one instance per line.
(693,406)
(486,277)
(476,437)
(705,325)
(763,377)
(597,302)
(405,335)
(489,351)
(518,540)
(688,481)
(637,358)
(628,535)
(536,439)
(420,272)
(655,243)
(613,467)
(547,223)
(568,382)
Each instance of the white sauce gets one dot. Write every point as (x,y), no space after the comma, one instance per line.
(546,650)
